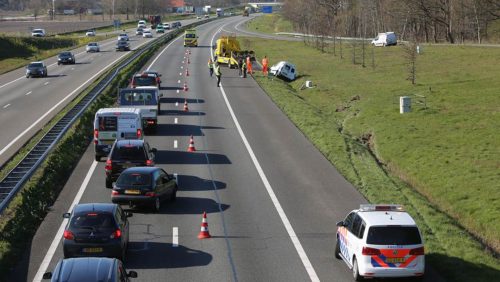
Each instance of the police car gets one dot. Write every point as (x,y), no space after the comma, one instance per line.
(380,241)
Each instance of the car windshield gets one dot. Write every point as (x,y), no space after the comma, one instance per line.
(35,65)
(144,81)
(134,179)
(123,35)
(128,152)
(138,97)
(190,35)
(393,235)
(92,44)
(92,221)
(37,31)
(65,54)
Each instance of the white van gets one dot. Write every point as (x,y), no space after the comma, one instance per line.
(141,24)
(284,69)
(145,98)
(385,39)
(112,124)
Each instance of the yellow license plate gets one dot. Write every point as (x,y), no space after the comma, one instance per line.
(92,250)
(395,260)
(133,192)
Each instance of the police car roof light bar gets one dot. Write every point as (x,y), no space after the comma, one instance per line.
(380,207)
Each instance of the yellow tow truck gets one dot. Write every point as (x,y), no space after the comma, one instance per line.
(228,51)
(190,38)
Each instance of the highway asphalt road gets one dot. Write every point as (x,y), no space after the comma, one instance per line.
(271,197)
(26,105)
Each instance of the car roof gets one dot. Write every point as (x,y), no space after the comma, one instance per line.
(85,269)
(386,218)
(94,207)
(118,110)
(37,62)
(141,169)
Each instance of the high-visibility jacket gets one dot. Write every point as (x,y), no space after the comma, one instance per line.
(210,64)
(217,70)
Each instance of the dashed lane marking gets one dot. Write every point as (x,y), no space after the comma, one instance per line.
(175,144)
(176,120)
(28,93)
(175,237)
(6,106)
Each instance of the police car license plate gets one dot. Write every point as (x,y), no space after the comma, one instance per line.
(92,250)
(395,260)
(133,192)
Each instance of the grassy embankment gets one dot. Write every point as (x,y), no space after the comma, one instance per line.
(441,162)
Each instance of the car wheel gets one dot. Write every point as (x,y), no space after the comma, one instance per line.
(173,197)
(157,205)
(337,249)
(97,158)
(109,183)
(355,271)
(27,76)
(58,63)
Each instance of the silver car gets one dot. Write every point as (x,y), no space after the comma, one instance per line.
(92,47)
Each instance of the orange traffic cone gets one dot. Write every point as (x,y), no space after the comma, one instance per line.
(191,147)
(204,234)
(186,109)
(187,72)
(185,86)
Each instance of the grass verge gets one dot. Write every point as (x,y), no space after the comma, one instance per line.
(440,162)
(27,210)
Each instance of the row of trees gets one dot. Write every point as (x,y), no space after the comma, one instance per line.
(419,20)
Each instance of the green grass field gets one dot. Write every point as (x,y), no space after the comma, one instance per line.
(441,162)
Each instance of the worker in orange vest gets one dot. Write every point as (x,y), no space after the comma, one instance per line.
(249,65)
(265,63)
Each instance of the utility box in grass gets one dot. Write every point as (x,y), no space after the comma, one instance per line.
(404,104)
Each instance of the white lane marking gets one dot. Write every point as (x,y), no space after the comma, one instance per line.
(288,226)
(72,68)
(161,53)
(175,237)
(46,83)
(1,86)
(177,90)
(175,144)
(180,73)
(177,104)
(6,106)
(182,67)
(60,102)
(53,246)
(28,93)
(183,62)
(178,81)
(176,120)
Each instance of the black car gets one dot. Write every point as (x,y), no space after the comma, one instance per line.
(127,153)
(122,45)
(91,269)
(144,186)
(36,69)
(65,58)
(96,230)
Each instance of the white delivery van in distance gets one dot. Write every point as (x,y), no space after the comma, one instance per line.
(385,39)
(112,124)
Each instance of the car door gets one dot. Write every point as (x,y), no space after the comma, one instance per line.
(168,182)
(344,237)
(354,236)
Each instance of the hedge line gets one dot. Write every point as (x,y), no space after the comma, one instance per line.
(29,208)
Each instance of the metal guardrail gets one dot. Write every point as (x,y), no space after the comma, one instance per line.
(15,179)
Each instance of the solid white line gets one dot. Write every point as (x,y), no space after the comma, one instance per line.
(28,93)
(53,246)
(288,226)
(175,144)
(175,237)
(6,106)
(57,105)
(46,83)
(176,120)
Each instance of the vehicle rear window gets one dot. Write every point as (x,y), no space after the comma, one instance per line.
(190,35)
(108,123)
(144,81)
(92,220)
(138,97)
(393,235)
(129,152)
(134,179)
(36,65)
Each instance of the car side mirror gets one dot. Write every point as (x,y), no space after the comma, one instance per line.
(66,215)
(161,94)
(153,150)
(47,275)
(340,223)
(132,274)
(129,214)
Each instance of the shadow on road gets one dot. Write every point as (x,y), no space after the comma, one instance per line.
(180,113)
(178,157)
(156,255)
(195,183)
(171,88)
(191,205)
(182,129)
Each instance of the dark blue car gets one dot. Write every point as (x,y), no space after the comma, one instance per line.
(90,269)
